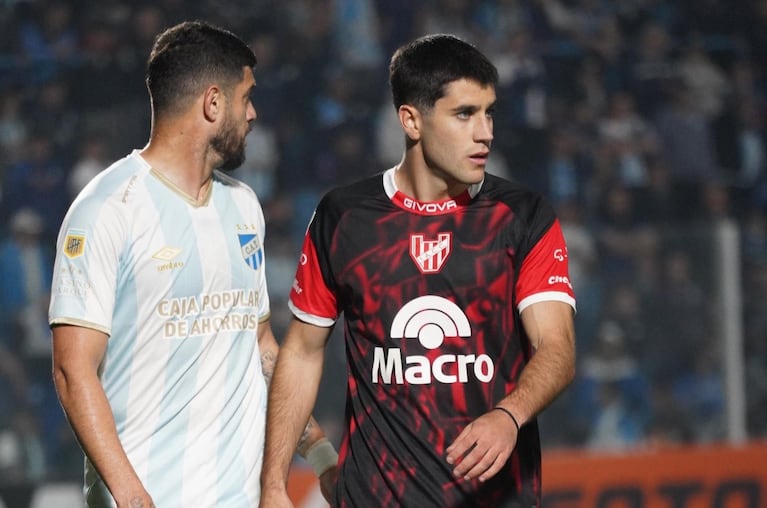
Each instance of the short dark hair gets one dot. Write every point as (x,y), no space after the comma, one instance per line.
(190,56)
(420,70)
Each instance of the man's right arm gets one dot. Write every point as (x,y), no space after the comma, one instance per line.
(292,396)
(77,354)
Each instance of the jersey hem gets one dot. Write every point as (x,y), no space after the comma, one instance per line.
(546,296)
(81,323)
(312,319)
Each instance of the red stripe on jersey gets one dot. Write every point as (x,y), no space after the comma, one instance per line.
(545,268)
(309,292)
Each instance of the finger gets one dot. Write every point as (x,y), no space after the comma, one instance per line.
(496,466)
(475,462)
(462,444)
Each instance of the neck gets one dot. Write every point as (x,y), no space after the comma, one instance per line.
(182,161)
(187,174)
(419,181)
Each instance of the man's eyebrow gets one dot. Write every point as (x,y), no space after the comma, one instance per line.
(463,108)
(472,108)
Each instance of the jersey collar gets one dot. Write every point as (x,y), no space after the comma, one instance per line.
(412,205)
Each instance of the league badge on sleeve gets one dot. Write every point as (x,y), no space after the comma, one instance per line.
(251,249)
(74,243)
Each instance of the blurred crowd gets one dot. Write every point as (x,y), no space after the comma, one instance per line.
(642,120)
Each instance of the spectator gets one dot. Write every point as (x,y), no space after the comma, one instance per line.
(568,169)
(699,391)
(626,305)
(611,393)
(49,40)
(754,245)
(627,245)
(345,157)
(387,135)
(583,22)
(652,71)
(13,383)
(93,157)
(657,201)
(590,87)
(355,36)
(669,425)
(454,17)
(25,271)
(38,181)
(741,149)
(707,82)
(715,202)
(13,128)
(22,454)
(584,265)
(522,117)
(54,117)
(628,139)
(682,316)
(686,139)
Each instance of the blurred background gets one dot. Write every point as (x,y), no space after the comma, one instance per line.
(642,120)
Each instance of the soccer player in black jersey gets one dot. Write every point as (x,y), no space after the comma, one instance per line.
(458,309)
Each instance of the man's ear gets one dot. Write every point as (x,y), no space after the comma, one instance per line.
(410,120)
(212,103)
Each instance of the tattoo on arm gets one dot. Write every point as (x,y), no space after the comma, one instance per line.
(268,360)
(305,434)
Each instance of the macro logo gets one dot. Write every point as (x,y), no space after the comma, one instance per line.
(429,320)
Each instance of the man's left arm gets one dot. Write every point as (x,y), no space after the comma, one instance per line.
(550,328)
(313,445)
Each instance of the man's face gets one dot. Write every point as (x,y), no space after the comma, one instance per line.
(229,142)
(458,131)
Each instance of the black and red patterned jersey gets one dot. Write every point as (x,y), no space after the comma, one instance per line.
(431,294)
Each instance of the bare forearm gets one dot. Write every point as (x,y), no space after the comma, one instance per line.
(291,398)
(547,374)
(550,327)
(91,419)
(312,431)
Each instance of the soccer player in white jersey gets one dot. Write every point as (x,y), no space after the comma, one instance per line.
(162,347)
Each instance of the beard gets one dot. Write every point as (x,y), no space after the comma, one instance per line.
(230,145)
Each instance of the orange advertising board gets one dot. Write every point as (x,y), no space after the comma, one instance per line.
(690,477)
(685,477)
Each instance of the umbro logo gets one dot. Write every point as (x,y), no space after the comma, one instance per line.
(166,255)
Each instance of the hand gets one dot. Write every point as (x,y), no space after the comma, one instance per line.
(275,498)
(328,481)
(493,436)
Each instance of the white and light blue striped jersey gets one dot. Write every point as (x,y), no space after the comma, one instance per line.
(180,289)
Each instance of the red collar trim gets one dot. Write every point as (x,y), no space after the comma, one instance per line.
(445,206)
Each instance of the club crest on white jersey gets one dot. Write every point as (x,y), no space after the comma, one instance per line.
(252,252)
